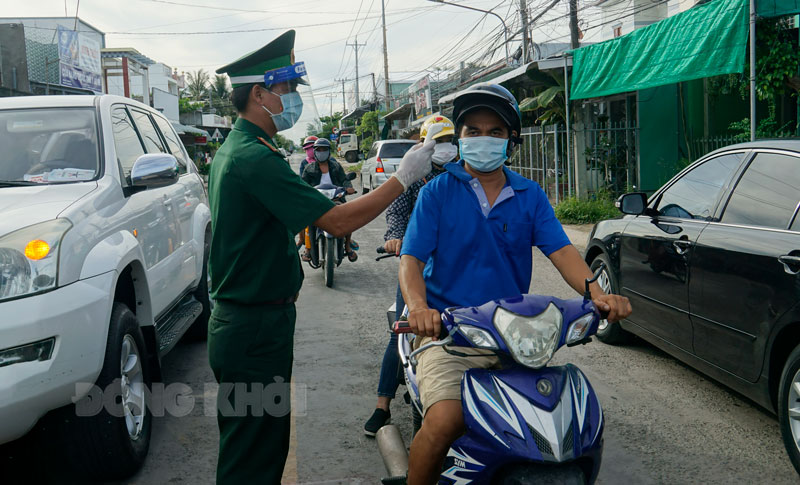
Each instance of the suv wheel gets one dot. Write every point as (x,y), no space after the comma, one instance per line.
(199,329)
(610,333)
(111,441)
(789,407)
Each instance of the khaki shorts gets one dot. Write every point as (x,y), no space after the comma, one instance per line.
(439,373)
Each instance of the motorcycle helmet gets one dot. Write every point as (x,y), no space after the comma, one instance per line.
(322,145)
(493,97)
(449,127)
(309,142)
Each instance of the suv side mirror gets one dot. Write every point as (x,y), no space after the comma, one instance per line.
(633,204)
(154,170)
(351,176)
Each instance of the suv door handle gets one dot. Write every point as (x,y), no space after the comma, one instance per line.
(681,246)
(790,262)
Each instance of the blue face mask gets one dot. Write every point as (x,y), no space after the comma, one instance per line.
(292,108)
(484,153)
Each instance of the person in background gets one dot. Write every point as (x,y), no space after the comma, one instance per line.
(308,146)
(397,216)
(326,170)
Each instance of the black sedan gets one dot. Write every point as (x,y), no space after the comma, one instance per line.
(711,265)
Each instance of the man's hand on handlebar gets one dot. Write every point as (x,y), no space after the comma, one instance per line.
(425,322)
(617,307)
(392,246)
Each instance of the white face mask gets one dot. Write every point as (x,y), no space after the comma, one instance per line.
(443,153)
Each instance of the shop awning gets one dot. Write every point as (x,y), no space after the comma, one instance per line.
(188,130)
(706,40)
(777,8)
(401,113)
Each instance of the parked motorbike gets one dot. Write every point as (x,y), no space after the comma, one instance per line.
(326,250)
(525,423)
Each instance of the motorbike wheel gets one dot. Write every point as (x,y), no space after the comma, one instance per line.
(788,399)
(312,236)
(330,260)
(542,475)
(609,333)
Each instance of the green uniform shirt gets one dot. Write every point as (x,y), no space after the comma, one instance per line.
(258,203)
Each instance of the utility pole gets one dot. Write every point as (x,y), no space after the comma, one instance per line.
(374,89)
(523,12)
(573,24)
(356,45)
(344,99)
(753,70)
(385,57)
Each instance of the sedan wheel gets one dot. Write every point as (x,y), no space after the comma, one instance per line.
(610,333)
(789,407)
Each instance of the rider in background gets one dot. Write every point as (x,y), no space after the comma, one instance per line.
(397,216)
(308,146)
(326,170)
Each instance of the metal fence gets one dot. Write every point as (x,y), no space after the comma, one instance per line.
(611,157)
(699,147)
(542,158)
(609,150)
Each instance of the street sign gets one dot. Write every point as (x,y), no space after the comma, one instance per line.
(335,130)
(217,135)
(334,137)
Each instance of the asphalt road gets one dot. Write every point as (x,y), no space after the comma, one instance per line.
(665,423)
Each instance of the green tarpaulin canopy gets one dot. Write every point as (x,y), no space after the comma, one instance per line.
(706,40)
(776,8)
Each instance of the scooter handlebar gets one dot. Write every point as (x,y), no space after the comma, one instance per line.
(402,326)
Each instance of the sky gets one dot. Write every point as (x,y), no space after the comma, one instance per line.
(206,34)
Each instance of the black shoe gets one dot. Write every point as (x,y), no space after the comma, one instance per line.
(378,419)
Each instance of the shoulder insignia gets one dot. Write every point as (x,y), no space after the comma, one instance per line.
(269,145)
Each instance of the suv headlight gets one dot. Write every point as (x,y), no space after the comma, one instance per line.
(29,259)
(531,340)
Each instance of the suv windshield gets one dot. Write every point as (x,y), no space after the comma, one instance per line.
(45,146)
(395,150)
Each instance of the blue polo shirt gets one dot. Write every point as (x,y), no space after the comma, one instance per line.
(475,253)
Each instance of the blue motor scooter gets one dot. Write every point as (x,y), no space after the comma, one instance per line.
(527,422)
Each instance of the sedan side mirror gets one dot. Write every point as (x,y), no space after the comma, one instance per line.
(351,176)
(154,170)
(633,204)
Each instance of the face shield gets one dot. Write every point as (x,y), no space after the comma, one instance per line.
(307,121)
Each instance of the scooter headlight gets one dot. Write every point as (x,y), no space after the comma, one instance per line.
(578,328)
(532,341)
(329,193)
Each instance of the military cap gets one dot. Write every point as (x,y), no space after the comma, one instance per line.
(276,58)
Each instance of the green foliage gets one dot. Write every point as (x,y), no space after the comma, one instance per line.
(355,168)
(328,124)
(283,142)
(548,100)
(186,105)
(578,211)
(197,83)
(368,129)
(777,59)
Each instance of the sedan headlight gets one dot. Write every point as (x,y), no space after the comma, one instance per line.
(29,259)
(531,340)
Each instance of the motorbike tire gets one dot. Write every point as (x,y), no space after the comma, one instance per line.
(612,334)
(542,475)
(790,370)
(330,260)
(312,235)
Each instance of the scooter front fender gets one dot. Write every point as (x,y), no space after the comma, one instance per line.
(511,419)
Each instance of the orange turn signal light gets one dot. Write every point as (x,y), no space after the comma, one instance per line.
(37,249)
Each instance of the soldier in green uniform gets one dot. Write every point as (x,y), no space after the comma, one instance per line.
(257,205)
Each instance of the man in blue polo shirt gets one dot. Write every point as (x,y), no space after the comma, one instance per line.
(469,241)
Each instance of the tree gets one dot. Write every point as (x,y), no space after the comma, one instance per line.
(197,84)
(368,129)
(220,86)
(185,105)
(283,142)
(548,100)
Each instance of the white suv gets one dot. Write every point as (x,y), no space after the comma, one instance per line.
(104,234)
